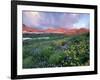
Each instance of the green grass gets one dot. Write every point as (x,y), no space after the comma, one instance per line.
(48,53)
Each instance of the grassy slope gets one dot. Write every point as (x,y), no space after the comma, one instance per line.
(48,53)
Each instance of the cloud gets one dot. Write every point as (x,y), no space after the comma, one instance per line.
(50,19)
(44,20)
(30,18)
(84,21)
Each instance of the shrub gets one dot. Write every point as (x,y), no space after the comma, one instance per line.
(28,62)
(46,52)
(56,58)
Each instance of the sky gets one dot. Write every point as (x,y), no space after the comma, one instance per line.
(45,20)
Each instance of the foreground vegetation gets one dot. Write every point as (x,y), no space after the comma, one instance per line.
(58,51)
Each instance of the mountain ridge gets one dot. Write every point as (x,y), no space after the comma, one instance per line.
(70,31)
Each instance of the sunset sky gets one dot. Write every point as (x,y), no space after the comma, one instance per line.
(45,20)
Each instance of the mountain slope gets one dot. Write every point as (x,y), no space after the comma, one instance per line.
(72,31)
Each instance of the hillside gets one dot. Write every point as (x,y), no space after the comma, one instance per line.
(56,52)
(72,31)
